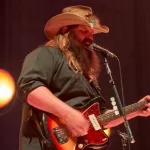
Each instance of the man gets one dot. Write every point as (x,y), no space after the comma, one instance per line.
(61,76)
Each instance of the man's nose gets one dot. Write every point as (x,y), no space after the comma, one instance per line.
(90,37)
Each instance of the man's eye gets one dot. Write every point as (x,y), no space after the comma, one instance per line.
(84,31)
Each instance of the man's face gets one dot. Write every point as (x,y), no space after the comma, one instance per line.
(80,38)
(83,35)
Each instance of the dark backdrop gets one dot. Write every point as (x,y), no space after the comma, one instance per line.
(21,31)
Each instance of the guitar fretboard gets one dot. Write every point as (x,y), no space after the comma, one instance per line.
(106,118)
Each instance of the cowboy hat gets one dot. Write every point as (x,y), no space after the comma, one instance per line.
(74,15)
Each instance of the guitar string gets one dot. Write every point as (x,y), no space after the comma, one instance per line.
(106,117)
(65,129)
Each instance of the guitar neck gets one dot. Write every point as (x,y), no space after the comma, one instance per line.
(106,118)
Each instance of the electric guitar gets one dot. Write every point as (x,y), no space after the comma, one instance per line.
(60,138)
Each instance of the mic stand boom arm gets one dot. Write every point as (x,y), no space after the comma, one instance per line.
(118,102)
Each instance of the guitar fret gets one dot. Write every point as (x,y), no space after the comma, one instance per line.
(106,118)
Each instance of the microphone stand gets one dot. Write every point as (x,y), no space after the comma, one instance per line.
(118,102)
(124,138)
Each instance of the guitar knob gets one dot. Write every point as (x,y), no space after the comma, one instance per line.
(80,146)
(116,112)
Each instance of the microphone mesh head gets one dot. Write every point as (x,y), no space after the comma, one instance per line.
(91,46)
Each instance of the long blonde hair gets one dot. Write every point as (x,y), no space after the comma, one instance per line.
(62,43)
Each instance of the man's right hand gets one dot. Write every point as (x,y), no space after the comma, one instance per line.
(76,123)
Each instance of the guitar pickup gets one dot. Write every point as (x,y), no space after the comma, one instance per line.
(94,122)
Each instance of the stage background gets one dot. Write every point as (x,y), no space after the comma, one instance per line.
(21,31)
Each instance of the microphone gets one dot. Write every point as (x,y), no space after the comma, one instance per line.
(104,51)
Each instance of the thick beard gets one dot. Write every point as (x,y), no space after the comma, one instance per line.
(84,56)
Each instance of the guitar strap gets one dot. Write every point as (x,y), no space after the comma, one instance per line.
(98,91)
(97,87)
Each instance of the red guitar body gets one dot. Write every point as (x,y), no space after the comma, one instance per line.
(61,139)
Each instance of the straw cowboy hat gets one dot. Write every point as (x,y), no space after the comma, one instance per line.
(74,15)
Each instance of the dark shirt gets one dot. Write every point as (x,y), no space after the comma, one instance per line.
(48,66)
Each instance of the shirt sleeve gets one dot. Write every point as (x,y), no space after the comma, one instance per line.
(37,70)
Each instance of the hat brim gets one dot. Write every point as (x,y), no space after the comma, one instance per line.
(57,22)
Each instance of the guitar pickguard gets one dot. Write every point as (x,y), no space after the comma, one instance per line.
(96,137)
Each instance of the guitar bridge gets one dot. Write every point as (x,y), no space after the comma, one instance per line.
(61,135)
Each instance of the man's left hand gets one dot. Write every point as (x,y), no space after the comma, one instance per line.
(145,112)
